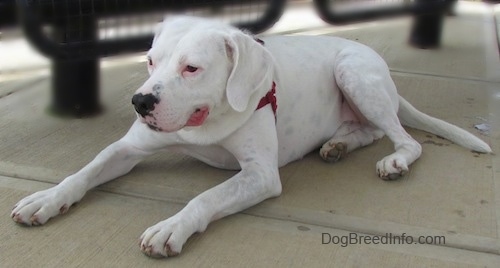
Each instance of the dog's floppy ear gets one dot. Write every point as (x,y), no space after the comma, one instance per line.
(252,69)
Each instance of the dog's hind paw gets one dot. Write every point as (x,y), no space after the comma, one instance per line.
(333,152)
(392,167)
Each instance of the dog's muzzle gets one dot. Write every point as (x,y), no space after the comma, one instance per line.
(144,104)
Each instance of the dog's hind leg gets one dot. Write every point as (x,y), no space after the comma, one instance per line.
(364,79)
(349,137)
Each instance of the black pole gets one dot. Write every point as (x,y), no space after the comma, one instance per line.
(75,83)
(427,27)
(8,13)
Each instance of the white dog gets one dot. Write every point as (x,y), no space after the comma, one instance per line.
(211,94)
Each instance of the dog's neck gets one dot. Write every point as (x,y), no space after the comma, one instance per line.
(213,131)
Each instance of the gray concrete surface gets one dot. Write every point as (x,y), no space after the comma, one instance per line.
(450,192)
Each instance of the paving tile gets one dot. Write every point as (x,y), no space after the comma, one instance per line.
(102,231)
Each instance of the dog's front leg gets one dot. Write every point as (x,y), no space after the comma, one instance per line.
(115,160)
(255,147)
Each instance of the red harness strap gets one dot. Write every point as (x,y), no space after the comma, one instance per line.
(269,98)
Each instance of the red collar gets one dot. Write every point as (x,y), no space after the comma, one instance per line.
(269,98)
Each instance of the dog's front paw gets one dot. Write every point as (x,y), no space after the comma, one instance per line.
(392,167)
(166,238)
(333,152)
(39,207)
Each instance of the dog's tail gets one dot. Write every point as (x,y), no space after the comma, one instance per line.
(412,117)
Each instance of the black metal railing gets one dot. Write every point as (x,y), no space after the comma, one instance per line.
(76,33)
(8,13)
(77,27)
(426,29)
(349,11)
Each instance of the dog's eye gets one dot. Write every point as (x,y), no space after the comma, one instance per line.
(150,61)
(191,69)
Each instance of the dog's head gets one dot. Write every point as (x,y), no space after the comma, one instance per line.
(200,70)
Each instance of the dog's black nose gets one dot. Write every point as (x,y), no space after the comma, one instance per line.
(144,104)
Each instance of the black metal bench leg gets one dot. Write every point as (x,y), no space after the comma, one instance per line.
(426,29)
(75,82)
(75,87)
